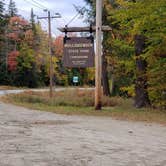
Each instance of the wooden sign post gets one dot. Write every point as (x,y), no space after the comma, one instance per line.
(98,57)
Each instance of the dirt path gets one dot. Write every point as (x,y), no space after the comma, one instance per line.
(34,138)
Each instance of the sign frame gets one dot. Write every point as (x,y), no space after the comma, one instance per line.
(79,52)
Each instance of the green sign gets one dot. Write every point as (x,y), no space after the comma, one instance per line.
(75,79)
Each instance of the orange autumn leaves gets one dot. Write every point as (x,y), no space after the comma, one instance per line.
(18,32)
(58,46)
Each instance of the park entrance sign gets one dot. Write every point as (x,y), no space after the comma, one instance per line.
(78,52)
(72,53)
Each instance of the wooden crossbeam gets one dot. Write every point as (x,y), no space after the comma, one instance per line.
(84,29)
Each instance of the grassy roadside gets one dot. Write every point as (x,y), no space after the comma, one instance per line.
(81,103)
(5,87)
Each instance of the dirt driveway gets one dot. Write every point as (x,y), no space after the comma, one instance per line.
(34,138)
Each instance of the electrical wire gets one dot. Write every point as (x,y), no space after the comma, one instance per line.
(75,16)
(39,4)
(43,0)
(45,22)
(44,7)
(34,4)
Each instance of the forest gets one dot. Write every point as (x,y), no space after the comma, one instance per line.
(134,52)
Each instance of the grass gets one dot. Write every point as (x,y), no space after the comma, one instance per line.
(4,87)
(80,102)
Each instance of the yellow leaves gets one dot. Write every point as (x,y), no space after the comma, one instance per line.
(129,90)
(90,74)
(107,5)
(122,3)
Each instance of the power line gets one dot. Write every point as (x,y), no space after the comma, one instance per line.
(34,4)
(44,0)
(39,4)
(80,12)
(45,22)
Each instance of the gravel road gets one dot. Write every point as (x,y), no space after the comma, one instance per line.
(34,138)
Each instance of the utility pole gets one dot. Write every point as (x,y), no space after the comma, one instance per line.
(98,57)
(50,46)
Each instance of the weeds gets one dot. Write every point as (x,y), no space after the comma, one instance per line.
(81,102)
(77,98)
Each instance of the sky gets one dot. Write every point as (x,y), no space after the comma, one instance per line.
(64,7)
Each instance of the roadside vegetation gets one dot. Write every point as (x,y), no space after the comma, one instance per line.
(134,52)
(5,87)
(79,102)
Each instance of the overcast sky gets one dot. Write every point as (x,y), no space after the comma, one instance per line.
(64,7)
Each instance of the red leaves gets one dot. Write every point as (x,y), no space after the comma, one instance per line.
(17,22)
(16,27)
(58,46)
(12,62)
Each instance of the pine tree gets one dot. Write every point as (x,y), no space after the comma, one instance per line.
(32,21)
(1,9)
(2,30)
(12,10)
(3,45)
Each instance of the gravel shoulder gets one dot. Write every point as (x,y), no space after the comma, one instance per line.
(35,138)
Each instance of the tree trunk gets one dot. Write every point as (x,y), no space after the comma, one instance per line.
(141,94)
(105,80)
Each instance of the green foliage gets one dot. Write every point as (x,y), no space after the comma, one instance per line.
(26,73)
(157,81)
(3,74)
(145,18)
(128,91)
(127,19)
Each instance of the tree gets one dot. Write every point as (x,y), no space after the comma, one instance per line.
(1,9)
(91,19)
(58,46)
(26,73)
(3,22)
(141,93)
(32,21)
(12,60)
(34,31)
(1,19)
(143,23)
(17,32)
(12,10)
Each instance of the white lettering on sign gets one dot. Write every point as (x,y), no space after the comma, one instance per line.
(84,51)
(78,45)
(78,57)
(78,52)
(73,51)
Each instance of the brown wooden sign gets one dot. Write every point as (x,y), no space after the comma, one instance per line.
(78,52)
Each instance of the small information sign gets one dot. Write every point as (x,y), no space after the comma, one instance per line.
(78,52)
(75,79)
